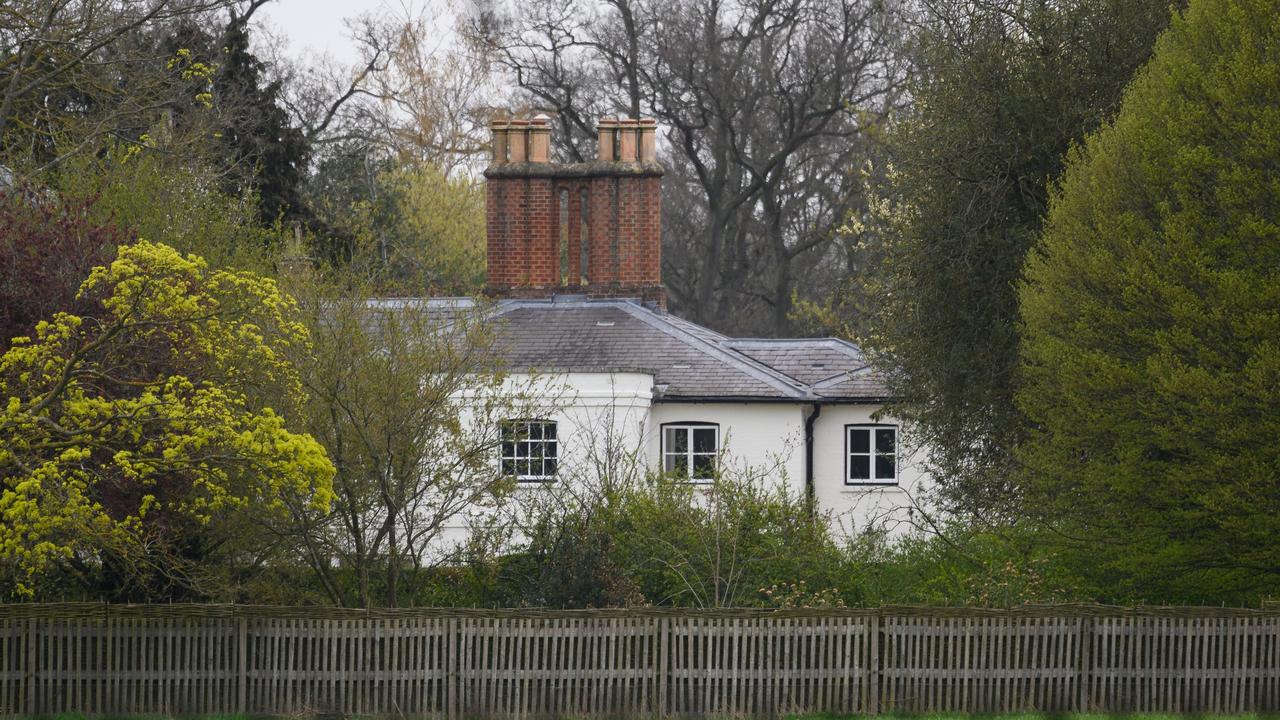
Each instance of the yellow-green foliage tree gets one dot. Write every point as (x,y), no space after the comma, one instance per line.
(436,244)
(135,439)
(1151,352)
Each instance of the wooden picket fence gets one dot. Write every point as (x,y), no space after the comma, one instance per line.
(220,659)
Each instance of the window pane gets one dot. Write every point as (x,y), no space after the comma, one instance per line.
(524,449)
(885,440)
(508,467)
(549,431)
(535,431)
(524,468)
(859,467)
(549,467)
(859,440)
(508,449)
(508,431)
(677,440)
(884,467)
(549,449)
(677,464)
(703,466)
(704,440)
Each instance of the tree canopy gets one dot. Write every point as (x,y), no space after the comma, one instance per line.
(47,248)
(1000,91)
(1151,313)
(135,435)
(765,108)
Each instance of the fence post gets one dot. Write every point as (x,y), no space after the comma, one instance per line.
(873,664)
(1084,674)
(29,676)
(664,644)
(452,663)
(242,662)
(461,669)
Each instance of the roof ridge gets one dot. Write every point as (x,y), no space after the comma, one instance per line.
(749,365)
(828,340)
(676,319)
(840,377)
(780,340)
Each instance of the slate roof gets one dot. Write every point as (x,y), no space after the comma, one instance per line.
(688,361)
(807,360)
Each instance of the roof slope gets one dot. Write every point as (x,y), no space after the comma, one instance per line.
(688,362)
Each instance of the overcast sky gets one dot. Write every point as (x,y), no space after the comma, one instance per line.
(315,27)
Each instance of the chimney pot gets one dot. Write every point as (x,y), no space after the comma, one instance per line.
(607,130)
(540,139)
(648,140)
(627,139)
(499,129)
(518,140)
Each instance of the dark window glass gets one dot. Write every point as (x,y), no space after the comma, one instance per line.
(704,440)
(678,464)
(884,467)
(679,440)
(703,466)
(859,467)
(885,440)
(859,440)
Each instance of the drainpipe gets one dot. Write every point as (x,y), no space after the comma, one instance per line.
(811,495)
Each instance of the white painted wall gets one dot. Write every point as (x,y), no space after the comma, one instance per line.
(753,436)
(599,418)
(604,416)
(857,508)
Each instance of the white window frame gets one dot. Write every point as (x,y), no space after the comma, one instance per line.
(688,426)
(871,454)
(516,432)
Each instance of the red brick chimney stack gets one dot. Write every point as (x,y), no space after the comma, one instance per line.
(574,228)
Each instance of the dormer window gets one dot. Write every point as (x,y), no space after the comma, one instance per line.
(689,450)
(530,450)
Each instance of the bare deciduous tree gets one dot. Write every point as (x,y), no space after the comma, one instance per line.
(408,400)
(68,69)
(766,106)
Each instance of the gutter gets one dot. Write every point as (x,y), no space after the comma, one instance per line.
(810,492)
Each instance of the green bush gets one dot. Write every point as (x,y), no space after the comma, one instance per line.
(965,565)
(733,542)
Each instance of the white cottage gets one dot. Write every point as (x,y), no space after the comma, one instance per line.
(574,259)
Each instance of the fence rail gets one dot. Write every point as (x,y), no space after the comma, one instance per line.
(220,659)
